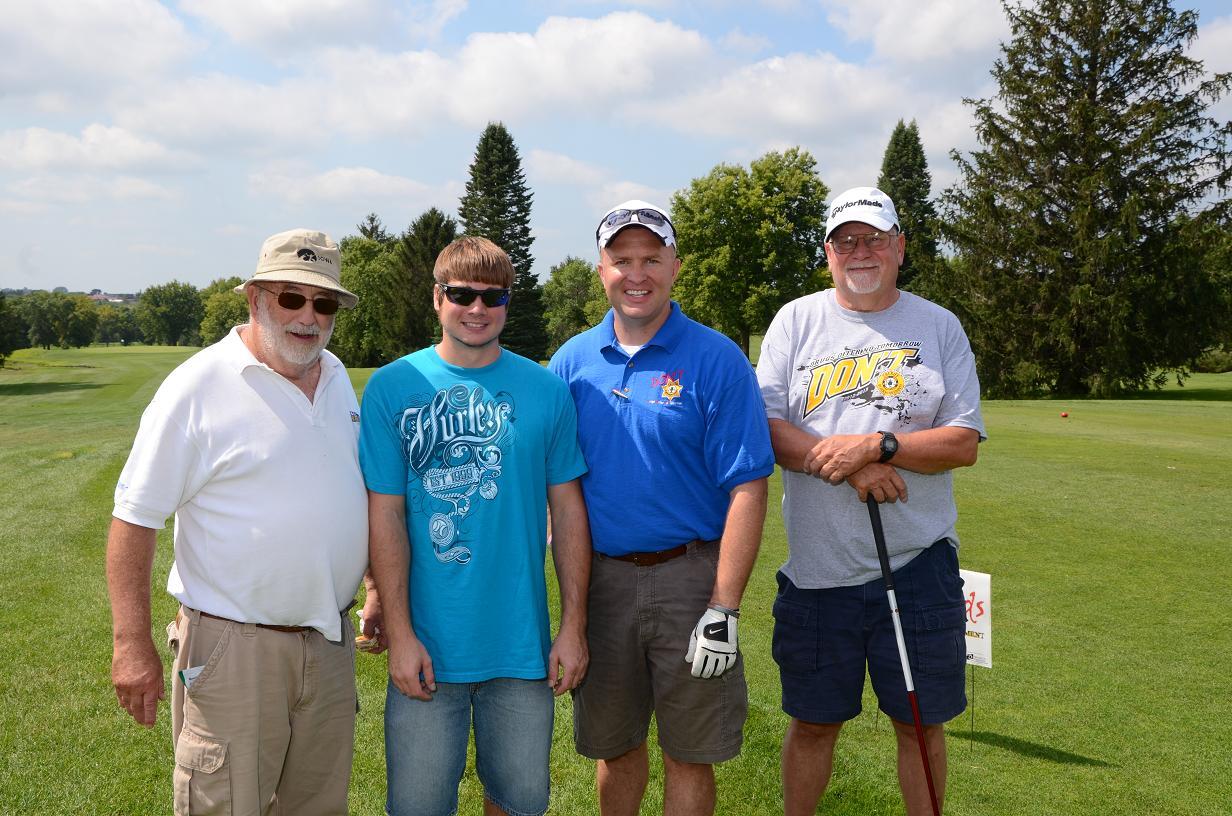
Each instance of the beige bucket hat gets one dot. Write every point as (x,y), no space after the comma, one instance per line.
(301,256)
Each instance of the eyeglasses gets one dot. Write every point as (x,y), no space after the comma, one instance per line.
(873,240)
(644,216)
(294,301)
(465,296)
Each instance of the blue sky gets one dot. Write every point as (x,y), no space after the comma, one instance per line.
(142,142)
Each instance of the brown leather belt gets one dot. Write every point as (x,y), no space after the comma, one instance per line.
(293,629)
(649,559)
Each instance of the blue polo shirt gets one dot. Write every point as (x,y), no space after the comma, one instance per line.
(667,433)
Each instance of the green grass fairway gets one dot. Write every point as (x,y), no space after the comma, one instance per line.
(1106,534)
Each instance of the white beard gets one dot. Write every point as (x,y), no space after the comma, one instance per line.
(863,281)
(276,344)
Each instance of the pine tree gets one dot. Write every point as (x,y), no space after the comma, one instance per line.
(371,227)
(410,284)
(906,180)
(496,206)
(1078,222)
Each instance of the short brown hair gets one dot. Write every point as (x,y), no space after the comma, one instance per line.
(471,258)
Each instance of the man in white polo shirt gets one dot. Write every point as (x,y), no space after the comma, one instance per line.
(252,445)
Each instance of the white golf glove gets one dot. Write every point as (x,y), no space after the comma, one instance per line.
(712,646)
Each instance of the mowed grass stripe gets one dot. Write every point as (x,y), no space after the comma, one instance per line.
(1106,534)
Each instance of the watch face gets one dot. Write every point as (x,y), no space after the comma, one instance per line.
(889,446)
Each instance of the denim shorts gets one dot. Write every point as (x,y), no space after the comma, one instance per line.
(425,746)
(824,638)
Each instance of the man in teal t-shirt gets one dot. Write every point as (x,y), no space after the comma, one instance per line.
(464,446)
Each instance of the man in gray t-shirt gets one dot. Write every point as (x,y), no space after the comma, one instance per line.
(869,391)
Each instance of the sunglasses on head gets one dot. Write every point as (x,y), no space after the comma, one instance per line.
(294,301)
(465,295)
(643,216)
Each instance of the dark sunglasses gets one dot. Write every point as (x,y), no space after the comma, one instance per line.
(294,301)
(465,296)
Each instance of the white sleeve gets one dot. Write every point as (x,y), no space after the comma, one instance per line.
(163,470)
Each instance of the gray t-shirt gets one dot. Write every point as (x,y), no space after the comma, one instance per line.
(830,371)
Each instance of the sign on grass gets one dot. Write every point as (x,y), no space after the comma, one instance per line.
(977,587)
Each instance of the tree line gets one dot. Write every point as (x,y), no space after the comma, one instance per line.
(1086,245)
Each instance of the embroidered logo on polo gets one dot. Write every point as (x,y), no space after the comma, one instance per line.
(670,388)
(878,376)
(453,443)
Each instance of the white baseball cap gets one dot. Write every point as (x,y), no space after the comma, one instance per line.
(635,213)
(868,205)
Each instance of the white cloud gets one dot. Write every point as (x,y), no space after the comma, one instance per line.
(567,67)
(341,184)
(84,189)
(794,99)
(61,50)
(163,250)
(1214,45)
(290,29)
(16,207)
(218,111)
(99,147)
(612,193)
(572,64)
(546,167)
(938,31)
(428,19)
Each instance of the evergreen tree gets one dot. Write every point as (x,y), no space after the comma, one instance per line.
(906,180)
(1079,271)
(496,206)
(412,321)
(371,227)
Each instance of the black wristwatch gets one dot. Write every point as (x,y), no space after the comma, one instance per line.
(889,446)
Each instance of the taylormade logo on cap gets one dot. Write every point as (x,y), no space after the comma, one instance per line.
(868,205)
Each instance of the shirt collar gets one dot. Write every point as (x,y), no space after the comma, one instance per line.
(237,355)
(667,337)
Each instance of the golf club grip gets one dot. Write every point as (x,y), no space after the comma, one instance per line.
(874,516)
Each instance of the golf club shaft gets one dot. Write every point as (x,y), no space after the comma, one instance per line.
(874,516)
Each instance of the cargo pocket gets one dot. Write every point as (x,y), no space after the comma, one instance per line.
(173,638)
(794,644)
(940,647)
(202,777)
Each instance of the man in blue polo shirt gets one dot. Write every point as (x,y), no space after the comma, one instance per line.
(672,426)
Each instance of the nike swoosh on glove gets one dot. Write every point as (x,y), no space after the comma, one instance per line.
(712,646)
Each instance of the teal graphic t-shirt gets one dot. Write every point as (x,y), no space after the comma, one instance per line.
(473,451)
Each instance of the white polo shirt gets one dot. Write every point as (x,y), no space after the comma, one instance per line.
(271,513)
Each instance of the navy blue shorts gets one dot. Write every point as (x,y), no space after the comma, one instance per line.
(824,638)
